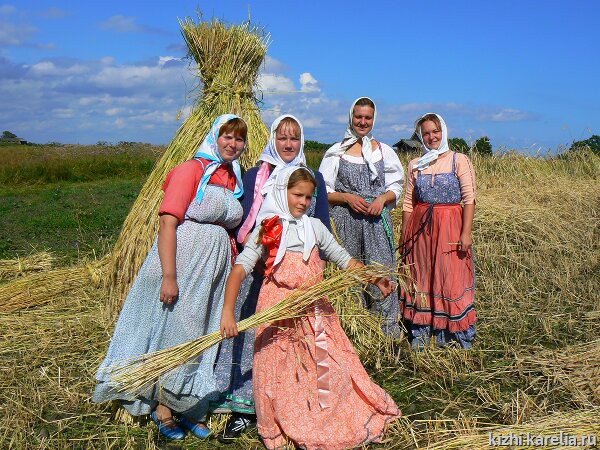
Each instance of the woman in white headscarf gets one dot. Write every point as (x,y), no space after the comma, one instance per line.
(284,149)
(364,180)
(437,218)
(178,293)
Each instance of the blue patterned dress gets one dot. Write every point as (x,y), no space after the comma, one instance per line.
(146,324)
(368,238)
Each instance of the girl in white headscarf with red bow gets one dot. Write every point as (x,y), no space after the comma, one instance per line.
(284,149)
(310,387)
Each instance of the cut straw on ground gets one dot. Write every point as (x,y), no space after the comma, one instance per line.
(45,287)
(23,265)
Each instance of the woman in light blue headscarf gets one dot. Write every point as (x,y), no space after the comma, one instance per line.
(178,293)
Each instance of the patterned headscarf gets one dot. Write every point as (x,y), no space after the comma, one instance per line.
(208,150)
(432,154)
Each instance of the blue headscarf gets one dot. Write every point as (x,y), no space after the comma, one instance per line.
(208,150)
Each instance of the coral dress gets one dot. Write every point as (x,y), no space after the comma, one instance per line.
(440,302)
(310,387)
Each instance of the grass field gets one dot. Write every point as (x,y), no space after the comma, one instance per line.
(535,367)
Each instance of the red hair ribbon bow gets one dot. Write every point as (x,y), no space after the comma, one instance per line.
(271,240)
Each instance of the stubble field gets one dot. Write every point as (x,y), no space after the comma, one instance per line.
(535,367)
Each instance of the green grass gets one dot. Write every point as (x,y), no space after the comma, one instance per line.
(49,164)
(73,220)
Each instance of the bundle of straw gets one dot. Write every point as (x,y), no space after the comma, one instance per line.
(18,267)
(228,60)
(44,287)
(139,372)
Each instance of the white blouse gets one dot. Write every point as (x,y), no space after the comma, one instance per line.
(393,171)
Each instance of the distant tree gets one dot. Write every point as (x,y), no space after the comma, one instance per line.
(483,146)
(593,143)
(316,146)
(458,145)
(8,134)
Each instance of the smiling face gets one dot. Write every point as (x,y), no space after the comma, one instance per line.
(299,197)
(288,141)
(362,119)
(432,134)
(230,146)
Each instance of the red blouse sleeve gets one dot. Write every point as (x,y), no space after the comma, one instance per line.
(180,188)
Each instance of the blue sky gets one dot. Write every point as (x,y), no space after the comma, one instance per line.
(525,73)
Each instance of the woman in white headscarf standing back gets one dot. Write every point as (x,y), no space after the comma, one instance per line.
(284,149)
(437,218)
(364,180)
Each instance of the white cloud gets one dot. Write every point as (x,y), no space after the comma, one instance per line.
(308,83)
(54,13)
(162,60)
(124,24)
(16,34)
(269,82)
(87,101)
(272,65)
(48,68)
(108,61)
(62,113)
(101,99)
(113,111)
(506,115)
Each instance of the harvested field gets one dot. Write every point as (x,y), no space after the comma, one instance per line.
(535,366)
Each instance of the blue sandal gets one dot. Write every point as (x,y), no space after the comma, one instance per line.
(168,428)
(196,429)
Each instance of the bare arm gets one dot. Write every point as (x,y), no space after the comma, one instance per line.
(385,285)
(167,250)
(232,289)
(405,219)
(466,239)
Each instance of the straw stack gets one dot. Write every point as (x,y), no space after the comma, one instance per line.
(228,60)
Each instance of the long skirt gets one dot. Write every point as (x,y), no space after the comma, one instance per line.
(310,387)
(441,294)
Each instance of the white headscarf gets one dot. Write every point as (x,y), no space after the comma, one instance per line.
(351,137)
(209,150)
(270,154)
(276,204)
(265,177)
(432,154)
